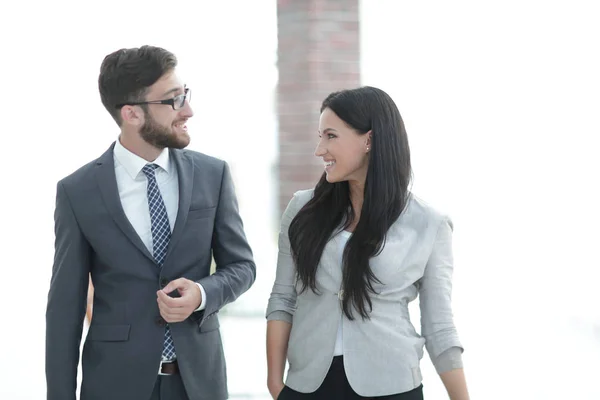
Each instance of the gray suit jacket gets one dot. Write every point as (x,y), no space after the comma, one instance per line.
(381,355)
(124,343)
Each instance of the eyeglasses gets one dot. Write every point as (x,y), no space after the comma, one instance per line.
(176,102)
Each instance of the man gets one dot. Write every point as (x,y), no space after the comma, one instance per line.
(145,220)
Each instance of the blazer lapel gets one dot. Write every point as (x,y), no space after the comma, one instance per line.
(107,182)
(185,172)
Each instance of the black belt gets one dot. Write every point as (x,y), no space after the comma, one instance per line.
(168,368)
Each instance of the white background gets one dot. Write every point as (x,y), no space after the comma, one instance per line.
(500,100)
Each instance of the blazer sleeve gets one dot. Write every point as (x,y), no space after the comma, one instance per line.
(67,300)
(435,290)
(282,302)
(235,269)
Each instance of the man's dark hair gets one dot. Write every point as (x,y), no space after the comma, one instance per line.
(126,75)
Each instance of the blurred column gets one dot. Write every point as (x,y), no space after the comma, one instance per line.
(318,52)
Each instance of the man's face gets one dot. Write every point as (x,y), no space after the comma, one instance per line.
(163,126)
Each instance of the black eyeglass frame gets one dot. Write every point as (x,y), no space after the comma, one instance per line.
(180,99)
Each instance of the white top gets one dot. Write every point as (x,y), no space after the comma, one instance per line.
(339,341)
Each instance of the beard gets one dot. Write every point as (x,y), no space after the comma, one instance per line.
(161,136)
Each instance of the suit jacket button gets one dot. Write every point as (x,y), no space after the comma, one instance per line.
(160,321)
(163,282)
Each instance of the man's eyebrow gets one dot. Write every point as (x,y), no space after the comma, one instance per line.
(172,91)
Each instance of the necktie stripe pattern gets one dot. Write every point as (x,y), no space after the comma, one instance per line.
(161,235)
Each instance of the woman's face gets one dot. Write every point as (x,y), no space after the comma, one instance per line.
(345,152)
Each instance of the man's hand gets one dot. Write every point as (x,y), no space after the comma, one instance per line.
(179,308)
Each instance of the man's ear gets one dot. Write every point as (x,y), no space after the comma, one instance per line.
(132,115)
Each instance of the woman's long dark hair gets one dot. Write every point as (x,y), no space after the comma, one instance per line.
(330,210)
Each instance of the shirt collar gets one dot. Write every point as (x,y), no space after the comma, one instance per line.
(133,164)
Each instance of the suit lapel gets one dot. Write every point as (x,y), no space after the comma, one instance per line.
(107,182)
(185,172)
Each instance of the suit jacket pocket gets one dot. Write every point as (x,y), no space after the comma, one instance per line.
(202,213)
(210,324)
(109,333)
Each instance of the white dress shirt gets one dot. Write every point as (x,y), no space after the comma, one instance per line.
(132,185)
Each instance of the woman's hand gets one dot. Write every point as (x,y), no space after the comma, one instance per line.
(275,389)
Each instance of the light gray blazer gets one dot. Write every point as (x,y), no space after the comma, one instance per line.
(381,355)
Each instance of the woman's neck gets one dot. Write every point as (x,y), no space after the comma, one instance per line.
(357,197)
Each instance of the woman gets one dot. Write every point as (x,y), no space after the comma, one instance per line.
(353,253)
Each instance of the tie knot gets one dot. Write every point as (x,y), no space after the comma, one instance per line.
(149,169)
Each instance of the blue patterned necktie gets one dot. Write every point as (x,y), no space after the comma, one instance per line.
(161,234)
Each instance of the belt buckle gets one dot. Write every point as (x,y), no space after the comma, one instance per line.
(160,367)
